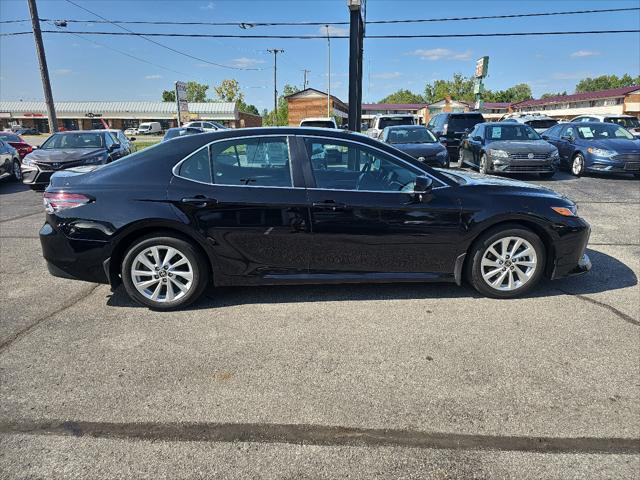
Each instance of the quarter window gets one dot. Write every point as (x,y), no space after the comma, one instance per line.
(197,166)
(345,166)
(260,162)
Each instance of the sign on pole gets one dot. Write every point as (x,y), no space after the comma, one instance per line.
(482,65)
(181,102)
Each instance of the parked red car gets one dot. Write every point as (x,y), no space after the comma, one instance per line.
(16,142)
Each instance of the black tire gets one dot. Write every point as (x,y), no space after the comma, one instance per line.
(480,246)
(17,172)
(483,166)
(547,175)
(188,250)
(576,171)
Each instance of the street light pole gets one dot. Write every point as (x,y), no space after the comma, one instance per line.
(44,72)
(275,52)
(356,30)
(329,73)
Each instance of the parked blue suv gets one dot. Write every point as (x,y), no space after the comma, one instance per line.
(595,147)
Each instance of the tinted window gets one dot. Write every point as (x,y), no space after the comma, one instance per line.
(569,132)
(410,135)
(554,131)
(510,132)
(108,139)
(391,121)
(197,167)
(317,123)
(548,123)
(460,123)
(627,122)
(346,166)
(260,162)
(9,137)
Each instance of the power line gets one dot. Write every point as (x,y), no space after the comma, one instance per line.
(324,37)
(248,24)
(144,36)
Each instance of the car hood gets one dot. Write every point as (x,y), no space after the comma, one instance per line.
(419,149)
(517,146)
(504,185)
(620,145)
(65,155)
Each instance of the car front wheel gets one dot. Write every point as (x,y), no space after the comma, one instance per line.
(484,164)
(17,172)
(164,272)
(506,262)
(577,165)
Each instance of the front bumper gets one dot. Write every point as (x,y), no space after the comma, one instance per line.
(602,165)
(33,176)
(570,250)
(506,165)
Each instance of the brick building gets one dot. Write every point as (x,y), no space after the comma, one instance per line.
(313,103)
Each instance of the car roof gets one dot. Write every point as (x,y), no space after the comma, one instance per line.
(97,130)
(404,127)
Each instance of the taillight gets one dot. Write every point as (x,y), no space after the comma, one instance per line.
(56,201)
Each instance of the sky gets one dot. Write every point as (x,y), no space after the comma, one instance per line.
(82,69)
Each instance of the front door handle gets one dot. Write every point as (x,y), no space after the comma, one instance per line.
(330,205)
(199,201)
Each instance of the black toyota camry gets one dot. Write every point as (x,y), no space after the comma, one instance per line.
(300,205)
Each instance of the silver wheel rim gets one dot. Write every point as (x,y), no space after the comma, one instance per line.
(483,164)
(577,165)
(162,274)
(16,170)
(509,263)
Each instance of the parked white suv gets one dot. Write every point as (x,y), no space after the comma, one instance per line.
(319,122)
(380,122)
(629,122)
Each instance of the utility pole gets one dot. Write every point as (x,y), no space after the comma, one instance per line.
(44,72)
(328,73)
(356,34)
(304,83)
(275,52)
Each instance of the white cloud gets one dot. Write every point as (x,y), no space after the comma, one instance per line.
(584,53)
(208,6)
(386,75)
(153,77)
(244,62)
(333,30)
(570,75)
(441,54)
(63,71)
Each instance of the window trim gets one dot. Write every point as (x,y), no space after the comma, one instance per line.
(176,167)
(308,160)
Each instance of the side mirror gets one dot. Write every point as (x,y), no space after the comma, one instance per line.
(114,146)
(477,138)
(545,137)
(442,139)
(422,187)
(568,138)
(35,147)
(132,139)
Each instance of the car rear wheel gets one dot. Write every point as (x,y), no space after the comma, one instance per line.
(506,262)
(17,172)
(164,272)
(484,164)
(577,165)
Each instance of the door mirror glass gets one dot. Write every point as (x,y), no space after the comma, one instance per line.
(423,185)
(568,138)
(477,138)
(114,146)
(545,137)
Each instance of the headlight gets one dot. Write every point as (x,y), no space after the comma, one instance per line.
(27,161)
(94,160)
(599,152)
(555,154)
(497,153)
(570,211)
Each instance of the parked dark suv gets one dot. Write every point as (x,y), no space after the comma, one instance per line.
(450,127)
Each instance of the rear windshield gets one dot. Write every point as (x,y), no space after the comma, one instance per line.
(548,123)
(393,121)
(318,124)
(626,122)
(460,123)
(9,137)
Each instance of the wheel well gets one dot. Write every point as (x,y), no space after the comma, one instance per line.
(534,227)
(123,245)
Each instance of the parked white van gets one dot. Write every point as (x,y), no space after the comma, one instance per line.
(148,128)
(319,122)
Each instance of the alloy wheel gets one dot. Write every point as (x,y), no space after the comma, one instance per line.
(17,172)
(484,168)
(577,165)
(508,264)
(162,274)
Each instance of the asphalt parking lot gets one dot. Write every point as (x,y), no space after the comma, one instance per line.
(369,381)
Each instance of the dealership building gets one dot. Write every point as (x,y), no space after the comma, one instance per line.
(120,115)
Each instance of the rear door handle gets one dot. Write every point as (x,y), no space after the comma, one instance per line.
(330,205)
(199,201)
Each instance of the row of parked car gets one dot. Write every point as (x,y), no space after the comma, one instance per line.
(530,143)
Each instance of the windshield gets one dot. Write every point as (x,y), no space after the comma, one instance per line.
(318,124)
(603,131)
(410,135)
(392,121)
(548,123)
(627,122)
(460,123)
(510,132)
(9,137)
(74,140)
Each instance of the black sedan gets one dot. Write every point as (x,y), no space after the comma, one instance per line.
(70,149)
(417,141)
(255,206)
(505,147)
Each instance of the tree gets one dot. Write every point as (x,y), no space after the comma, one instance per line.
(605,82)
(196,93)
(403,96)
(551,94)
(459,88)
(517,93)
(282,115)
(229,91)
(251,109)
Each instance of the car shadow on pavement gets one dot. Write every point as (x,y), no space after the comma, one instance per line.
(608,274)
(8,185)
